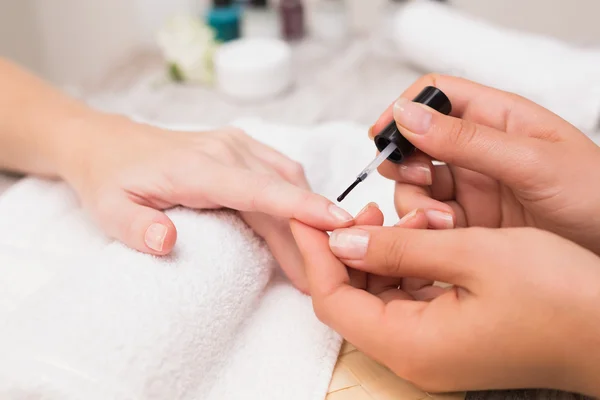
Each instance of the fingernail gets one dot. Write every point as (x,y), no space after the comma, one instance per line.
(440,219)
(364,210)
(411,215)
(412,116)
(349,244)
(371,133)
(155,236)
(419,173)
(339,214)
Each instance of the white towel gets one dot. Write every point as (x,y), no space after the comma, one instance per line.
(556,75)
(82,317)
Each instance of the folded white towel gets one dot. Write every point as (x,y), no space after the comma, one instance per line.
(82,317)
(560,77)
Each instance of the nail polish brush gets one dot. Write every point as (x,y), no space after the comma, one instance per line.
(392,145)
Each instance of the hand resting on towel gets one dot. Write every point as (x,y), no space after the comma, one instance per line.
(126,173)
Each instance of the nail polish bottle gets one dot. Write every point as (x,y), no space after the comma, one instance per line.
(292,19)
(225,18)
(258,3)
(431,97)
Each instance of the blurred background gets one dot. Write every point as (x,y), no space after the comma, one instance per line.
(347,64)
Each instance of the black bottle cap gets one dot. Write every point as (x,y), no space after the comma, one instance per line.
(222,3)
(258,3)
(430,96)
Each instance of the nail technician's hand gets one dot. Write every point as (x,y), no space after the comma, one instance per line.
(523,312)
(509,163)
(383,286)
(130,172)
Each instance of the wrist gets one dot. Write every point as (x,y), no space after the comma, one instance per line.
(81,139)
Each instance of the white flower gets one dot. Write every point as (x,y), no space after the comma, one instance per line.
(187,45)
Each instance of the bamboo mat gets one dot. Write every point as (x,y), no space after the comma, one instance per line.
(357,377)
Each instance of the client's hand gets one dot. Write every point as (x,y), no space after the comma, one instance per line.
(523,314)
(127,173)
(509,163)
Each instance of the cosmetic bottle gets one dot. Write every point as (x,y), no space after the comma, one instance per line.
(259,3)
(225,18)
(390,142)
(429,96)
(292,19)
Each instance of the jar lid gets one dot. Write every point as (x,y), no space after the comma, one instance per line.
(253,68)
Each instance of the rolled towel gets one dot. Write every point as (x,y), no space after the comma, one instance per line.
(563,78)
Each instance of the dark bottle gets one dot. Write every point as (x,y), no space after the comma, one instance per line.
(431,97)
(258,3)
(292,19)
(225,18)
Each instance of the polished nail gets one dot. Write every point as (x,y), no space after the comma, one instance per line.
(155,236)
(440,219)
(417,173)
(339,214)
(408,217)
(349,244)
(413,117)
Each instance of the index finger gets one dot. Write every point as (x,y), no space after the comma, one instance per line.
(247,190)
(484,105)
(357,315)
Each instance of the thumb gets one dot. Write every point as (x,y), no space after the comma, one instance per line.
(398,252)
(456,141)
(139,227)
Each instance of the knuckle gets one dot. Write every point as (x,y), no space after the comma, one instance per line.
(218,146)
(394,254)
(321,311)
(219,149)
(306,197)
(235,135)
(431,78)
(297,172)
(261,186)
(461,133)
(297,169)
